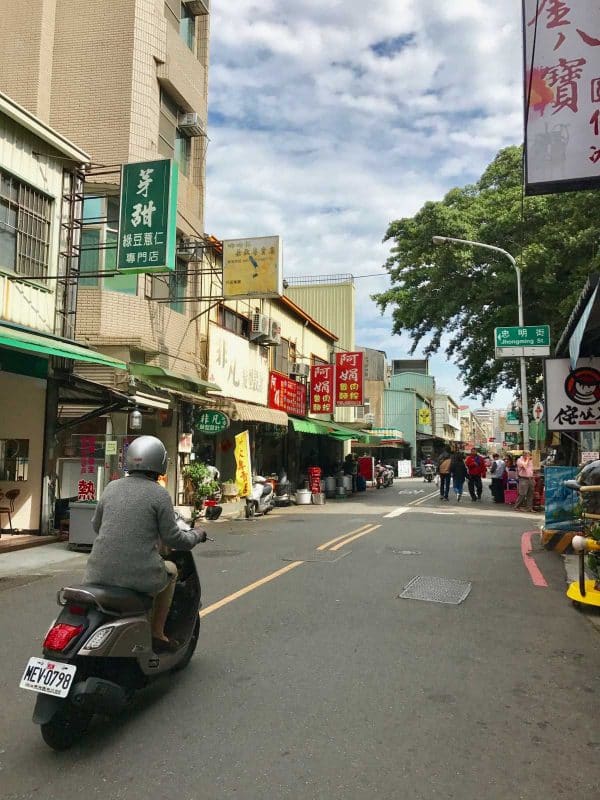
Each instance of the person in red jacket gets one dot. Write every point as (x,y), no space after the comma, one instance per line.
(476,471)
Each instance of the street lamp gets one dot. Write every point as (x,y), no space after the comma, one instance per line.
(439,240)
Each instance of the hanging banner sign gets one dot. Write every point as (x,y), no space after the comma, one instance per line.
(148,217)
(349,379)
(252,268)
(572,396)
(321,389)
(243,471)
(286,394)
(424,416)
(213,422)
(562,95)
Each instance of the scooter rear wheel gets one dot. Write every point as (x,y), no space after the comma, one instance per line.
(66,727)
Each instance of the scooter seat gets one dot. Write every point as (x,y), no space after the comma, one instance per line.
(114,599)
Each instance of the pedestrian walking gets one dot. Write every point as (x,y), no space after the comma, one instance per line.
(526,484)
(476,471)
(444,466)
(497,470)
(458,470)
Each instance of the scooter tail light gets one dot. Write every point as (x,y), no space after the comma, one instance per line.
(59,636)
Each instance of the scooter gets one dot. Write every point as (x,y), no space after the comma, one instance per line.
(584,591)
(428,473)
(261,499)
(388,475)
(98,652)
(283,490)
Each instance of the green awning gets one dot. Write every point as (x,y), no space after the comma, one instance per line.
(48,346)
(331,429)
(309,426)
(171,380)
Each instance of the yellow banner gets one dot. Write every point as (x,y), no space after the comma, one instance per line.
(243,473)
(252,267)
(424,416)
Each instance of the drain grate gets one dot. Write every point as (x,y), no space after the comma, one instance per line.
(436,590)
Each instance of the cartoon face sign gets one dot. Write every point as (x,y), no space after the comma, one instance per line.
(583,386)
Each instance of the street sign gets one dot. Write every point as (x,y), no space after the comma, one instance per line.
(512,417)
(538,411)
(531,340)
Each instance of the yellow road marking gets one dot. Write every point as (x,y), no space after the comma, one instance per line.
(352,538)
(230,598)
(343,536)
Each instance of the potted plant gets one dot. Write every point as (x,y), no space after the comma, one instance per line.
(198,482)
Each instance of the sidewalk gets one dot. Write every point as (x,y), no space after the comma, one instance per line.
(41,560)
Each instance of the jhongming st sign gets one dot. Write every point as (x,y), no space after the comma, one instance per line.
(148,216)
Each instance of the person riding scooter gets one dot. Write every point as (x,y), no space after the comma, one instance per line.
(134,517)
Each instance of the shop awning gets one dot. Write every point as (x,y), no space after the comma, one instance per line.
(332,429)
(581,337)
(49,346)
(246,412)
(168,379)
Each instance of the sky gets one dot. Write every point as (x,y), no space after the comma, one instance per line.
(328,120)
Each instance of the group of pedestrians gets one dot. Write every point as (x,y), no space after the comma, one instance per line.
(455,469)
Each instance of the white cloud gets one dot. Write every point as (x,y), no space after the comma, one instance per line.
(329,120)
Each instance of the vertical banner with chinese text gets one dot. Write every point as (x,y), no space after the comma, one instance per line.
(321,389)
(148,216)
(348,379)
(243,470)
(562,95)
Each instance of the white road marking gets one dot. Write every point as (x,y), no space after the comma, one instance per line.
(397,512)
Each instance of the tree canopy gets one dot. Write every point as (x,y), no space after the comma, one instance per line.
(450,298)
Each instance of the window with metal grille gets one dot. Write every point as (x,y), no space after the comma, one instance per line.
(283,354)
(173,142)
(232,321)
(25,217)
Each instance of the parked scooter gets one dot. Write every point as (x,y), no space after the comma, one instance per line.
(428,473)
(261,500)
(98,652)
(283,490)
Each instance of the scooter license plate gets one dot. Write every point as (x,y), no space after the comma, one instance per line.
(48,677)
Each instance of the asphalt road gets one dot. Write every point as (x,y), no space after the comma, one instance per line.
(323,683)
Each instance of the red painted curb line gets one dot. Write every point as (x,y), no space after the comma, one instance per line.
(534,572)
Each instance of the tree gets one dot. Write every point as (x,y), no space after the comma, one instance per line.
(451,298)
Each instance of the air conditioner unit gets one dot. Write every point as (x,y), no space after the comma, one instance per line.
(260,327)
(186,249)
(274,337)
(300,370)
(198,8)
(191,124)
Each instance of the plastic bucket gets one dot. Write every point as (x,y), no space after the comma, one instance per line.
(318,499)
(340,492)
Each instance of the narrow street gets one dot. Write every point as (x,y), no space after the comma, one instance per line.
(321,682)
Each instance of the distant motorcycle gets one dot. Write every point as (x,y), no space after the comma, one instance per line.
(283,490)
(384,475)
(428,473)
(261,499)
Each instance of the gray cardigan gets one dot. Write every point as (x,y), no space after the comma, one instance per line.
(133,517)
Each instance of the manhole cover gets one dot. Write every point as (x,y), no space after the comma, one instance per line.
(436,590)
(219,553)
(397,552)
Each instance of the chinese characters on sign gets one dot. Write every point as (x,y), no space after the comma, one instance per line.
(243,472)
(241,370)
(148,217)
(530,340)
(572,396)
(209,421)
(286,394)
(252,267)
(562,87)
(88,449)
(86,490)
(321,389)
(348,379)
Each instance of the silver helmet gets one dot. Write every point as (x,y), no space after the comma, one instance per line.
(147,454)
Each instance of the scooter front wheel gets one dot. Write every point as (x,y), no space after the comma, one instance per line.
(66,726)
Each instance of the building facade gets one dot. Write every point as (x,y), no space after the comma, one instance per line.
(446,418)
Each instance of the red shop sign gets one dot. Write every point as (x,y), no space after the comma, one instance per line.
(286,394)
(349,379)
(321,389)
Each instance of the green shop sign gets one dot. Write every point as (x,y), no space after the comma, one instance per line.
(148,216)
(212,422)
